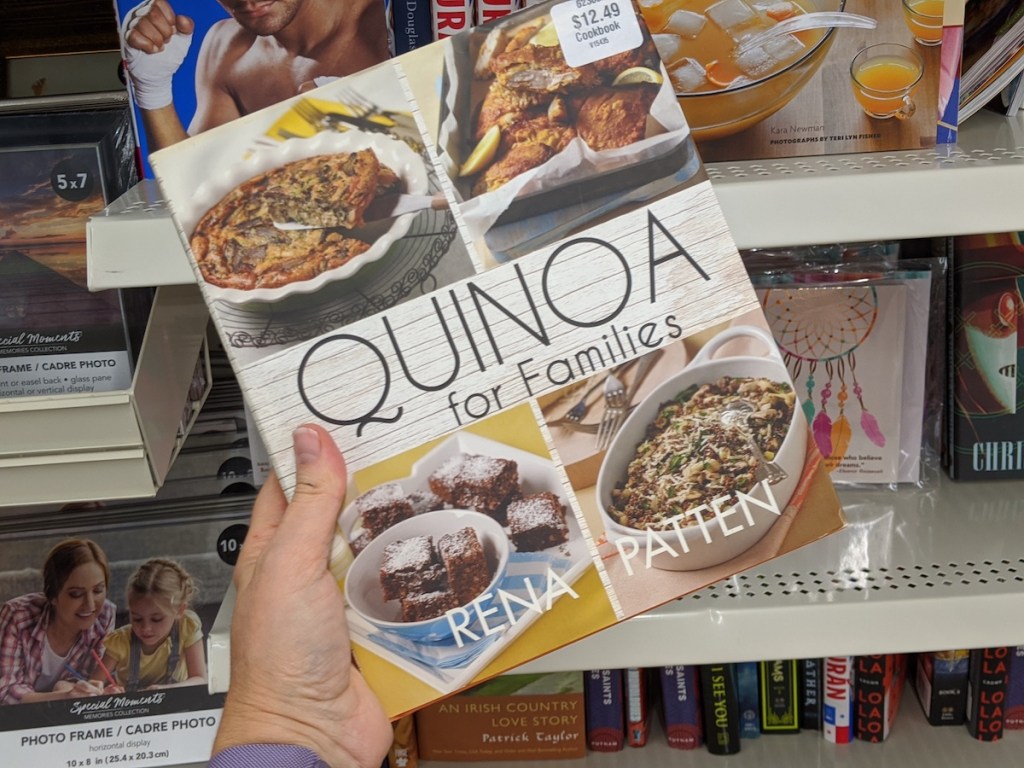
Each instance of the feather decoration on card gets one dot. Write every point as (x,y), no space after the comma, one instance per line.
(822,428)
(808,402)
(840,435)
(868,423)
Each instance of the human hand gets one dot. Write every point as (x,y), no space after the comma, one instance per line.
(156,41)
(292,677)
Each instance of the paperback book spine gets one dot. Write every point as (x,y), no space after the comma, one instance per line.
(749,695)
(1015,694)
(779,703)
(720,708)
(837,703)
(680,706)
(605,710)
(490,10)
(941,685)
(810,694)
(637,706)
(987,683)
(411,24)
(450,17)
(878,682)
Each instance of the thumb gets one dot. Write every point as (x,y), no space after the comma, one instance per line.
(321,479)
(184,24)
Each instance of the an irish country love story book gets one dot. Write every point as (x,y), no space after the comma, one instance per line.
(495,269)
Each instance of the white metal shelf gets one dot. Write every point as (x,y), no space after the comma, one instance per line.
(913,570)
(969,188)
(913,743)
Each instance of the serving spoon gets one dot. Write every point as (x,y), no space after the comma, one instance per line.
(735,414)
(812,20)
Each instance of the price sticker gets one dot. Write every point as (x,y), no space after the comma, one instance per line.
(72,180)
(590,30)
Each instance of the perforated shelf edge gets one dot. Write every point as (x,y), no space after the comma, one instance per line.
(970,188)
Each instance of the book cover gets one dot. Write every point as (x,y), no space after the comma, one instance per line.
(941,685)
(411,25)
(485,11)
(512,717)
(222,62)
(681,706)
(605,709)
(450,17)
(985,412)
(749,693)
(878,688)
(448,369)
(94,709)
(806,93)
(987,682)
(638,705)
(837,702)
(810,693)
(780,696)
(1014,718)
(404,751)
(720,708)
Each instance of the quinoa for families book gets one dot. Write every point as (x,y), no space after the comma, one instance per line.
(496,270)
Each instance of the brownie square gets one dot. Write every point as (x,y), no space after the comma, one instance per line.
(424,501)
(464,560)
(358,544)
(471,481)
(382,507)
(429,605)
(537,522)
(410,566)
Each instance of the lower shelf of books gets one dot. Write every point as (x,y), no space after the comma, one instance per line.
(912,743)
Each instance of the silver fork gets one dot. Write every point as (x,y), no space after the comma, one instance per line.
(615,403)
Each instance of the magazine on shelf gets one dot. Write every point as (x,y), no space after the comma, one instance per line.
(808,93)
(132,721)
(447,350)
(992,54)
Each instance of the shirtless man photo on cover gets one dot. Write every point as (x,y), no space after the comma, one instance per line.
(267,51)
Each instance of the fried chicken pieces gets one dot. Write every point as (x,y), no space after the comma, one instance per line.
(540,103)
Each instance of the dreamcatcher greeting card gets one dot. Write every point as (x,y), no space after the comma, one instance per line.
(844,347)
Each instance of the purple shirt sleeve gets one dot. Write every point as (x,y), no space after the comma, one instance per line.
(267,756)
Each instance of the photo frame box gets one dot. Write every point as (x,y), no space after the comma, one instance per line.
(456,339)
(61,160)
(160,727)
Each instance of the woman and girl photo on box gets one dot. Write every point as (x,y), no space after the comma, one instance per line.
(61,643)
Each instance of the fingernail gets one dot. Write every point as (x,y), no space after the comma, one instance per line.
(307,445)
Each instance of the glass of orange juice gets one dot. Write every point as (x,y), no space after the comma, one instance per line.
(924,17)
(884,77)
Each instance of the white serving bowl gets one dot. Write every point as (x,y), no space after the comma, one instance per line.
(394,154)
(362,582)
(702,370)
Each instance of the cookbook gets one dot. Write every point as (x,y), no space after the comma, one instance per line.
(494,268)
(871,84)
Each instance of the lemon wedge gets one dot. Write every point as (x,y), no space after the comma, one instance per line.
(546,36)
(638,75)
(483,153)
